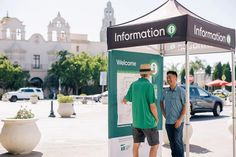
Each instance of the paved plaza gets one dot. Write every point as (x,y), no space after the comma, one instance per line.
(85,135)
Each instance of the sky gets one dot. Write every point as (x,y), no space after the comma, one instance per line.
(85,16)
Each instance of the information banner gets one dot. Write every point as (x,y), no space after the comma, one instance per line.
(123,70)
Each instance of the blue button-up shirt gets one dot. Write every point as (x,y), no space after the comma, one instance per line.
(173,100)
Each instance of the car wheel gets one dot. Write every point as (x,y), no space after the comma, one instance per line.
(191,110)
(96,99)
(216,110)
(13,99)
(192,113)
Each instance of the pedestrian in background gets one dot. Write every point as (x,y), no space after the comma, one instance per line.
(144,112)
(173,109)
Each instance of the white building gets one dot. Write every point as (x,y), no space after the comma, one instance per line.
(37,54)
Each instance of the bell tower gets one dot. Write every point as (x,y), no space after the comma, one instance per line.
(58,29)
(11,28)
(107,21)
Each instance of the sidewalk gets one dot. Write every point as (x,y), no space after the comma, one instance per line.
(86,134)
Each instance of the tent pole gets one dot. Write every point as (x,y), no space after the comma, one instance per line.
(233,99)
(187,116)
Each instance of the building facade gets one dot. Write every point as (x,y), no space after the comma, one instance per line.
(37,54)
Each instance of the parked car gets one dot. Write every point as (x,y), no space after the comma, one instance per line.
(231,97)
(223,93)
(24,93)
(97,97)
(203,101)
(104,98)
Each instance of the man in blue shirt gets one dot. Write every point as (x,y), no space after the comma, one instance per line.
(173,109)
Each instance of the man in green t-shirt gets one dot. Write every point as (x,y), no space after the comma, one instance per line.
(144,111)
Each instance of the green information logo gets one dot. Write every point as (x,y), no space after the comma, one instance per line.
(171,29)
(228,39)
(154,68)
(124,147)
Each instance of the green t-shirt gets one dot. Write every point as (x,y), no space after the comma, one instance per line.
(141,94)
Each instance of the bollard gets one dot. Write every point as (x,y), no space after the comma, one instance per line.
(74,114)
(52,112)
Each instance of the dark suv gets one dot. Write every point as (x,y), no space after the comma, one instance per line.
(203,101)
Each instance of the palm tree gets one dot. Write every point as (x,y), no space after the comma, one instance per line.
(198,64)
(173,67)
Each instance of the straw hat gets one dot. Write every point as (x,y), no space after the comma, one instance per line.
(145,69)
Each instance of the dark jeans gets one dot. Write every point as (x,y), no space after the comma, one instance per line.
(176,139)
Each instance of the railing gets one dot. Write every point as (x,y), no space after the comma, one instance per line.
(34,66)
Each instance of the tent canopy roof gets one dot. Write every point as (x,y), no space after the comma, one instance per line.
(169,9)
(166,29)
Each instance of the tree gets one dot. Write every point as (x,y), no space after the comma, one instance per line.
(59,66)
(197,64)
(173,67)
(77,71)
(227,72)
(182,76)
(20,78)
(217,74)
(191,72)
(99,64)
(11,76)
(57,70)
(208,70)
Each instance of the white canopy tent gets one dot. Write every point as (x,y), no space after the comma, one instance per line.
(171,30)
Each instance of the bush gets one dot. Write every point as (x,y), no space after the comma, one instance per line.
(23,113)
(64,99)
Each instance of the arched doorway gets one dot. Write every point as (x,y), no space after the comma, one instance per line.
(36,82)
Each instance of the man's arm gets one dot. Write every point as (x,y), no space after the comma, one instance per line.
(180,119)
(162,109)
(153,109)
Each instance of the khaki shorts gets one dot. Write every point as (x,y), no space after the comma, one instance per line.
(151,134)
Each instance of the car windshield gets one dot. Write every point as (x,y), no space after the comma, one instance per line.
(221,91)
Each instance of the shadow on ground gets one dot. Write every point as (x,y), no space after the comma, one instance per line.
(32,154)
(196,118)
(193,149)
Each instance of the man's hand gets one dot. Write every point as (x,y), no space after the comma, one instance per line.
(124,101)
(178,123)
(164,114)
(157,120)
(154,112)
(162,109)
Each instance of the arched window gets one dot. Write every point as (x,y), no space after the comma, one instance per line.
(58,24)
(8,33)
(18,34)
(54,36)
(63,35)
